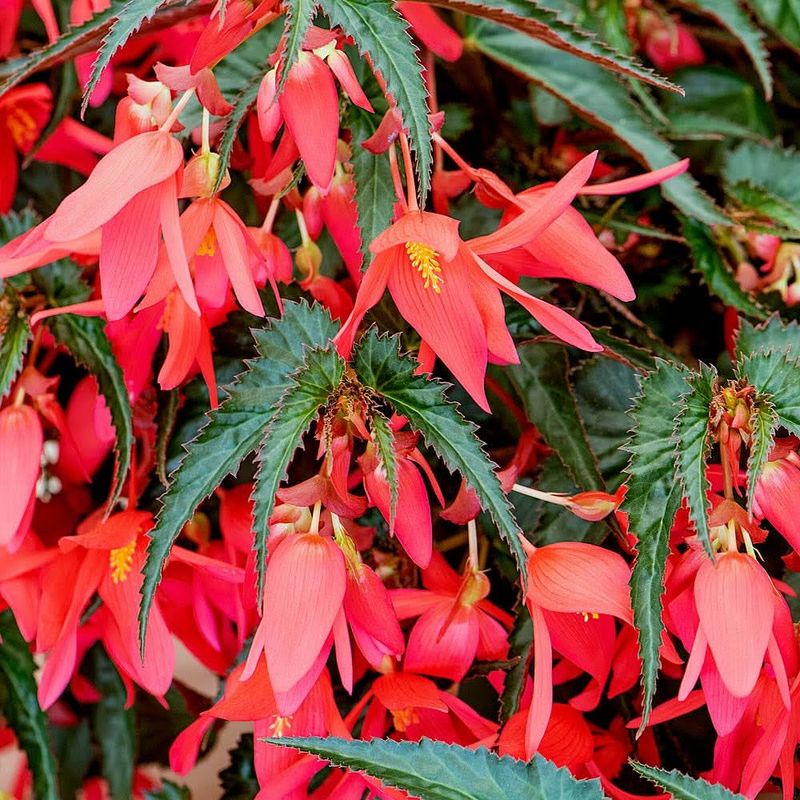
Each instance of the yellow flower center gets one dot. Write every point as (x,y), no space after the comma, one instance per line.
(587,615)
(280,725)
(209,244)
(403,717)
(22,127)
(120,560)
(426,261)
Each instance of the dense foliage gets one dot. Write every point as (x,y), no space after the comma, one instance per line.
(427,373)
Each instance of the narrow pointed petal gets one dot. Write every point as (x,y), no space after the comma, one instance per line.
(343,70)
(230,233)
(542,700)
(173,242)
(638,182)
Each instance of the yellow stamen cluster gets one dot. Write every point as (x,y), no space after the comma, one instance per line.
(22,127)
(120,560)
(589,615)
(403,718)
(280,725)
(426,261)
(209,244)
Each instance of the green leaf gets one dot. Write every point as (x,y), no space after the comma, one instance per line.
(757,203)
(233,430)
(776,375)
(15,333)
(683,787)
(296,24)
(732,16)
(113,725)
(383,437)
(763,421)
(72,747)
(782,17)
(652,501)
(598,97)
(311,386)
(773,334)
(438,771)
(86,339)
(248,92)
(712,267)
(378,30)
(374,192)
(542,381)
(168,791)
(691,438)
(20,707)
(423,403)
(127,21)
(521,647)
(775,169)
(238,780)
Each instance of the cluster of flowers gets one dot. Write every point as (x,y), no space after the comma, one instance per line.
(172,257)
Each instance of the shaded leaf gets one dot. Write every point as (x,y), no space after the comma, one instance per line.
(773,334)
(383,437)
(763,421)
(15,333)
(520,646)
(776,375)
(782,17)
(439,771)
(683,787)
(296,24)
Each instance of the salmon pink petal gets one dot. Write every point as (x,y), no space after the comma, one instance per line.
(368,605)
(638,182)
(231,233)
(58,669)
(724,709)
(344,652)
(183,328)
(434,230)
(21,441)
(734,602)
(550,317)
(268,111)
(432,31)
(528,225)
(245,700)
(448,321)
(777,490)
(8,162)
(343,70)
(313,125)
(184,750)
(542,700)
(443,642)
(694,665)
(173,242)
(303,591)
(579,578)
(401,690)
(131,167)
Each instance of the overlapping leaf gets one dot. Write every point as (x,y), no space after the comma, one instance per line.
(682,787)
(15,333)
(775,374)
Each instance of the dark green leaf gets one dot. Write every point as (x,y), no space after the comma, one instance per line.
(15,333)
(757,203)
(543,384)
(423,403)
(168,791)
(113,725)
(773,334)
(378,30)
(167,417)
(311,386)
(775,169)
(238,779)
(20,707)
(520,646)
(714,271)
(776,376)
(691,439)
(127,21)
(598,97)
(86,339)
(652,501)
(683,787)
(782,16)
(72,746)
(296,24)
(763,421)
(233,430)
(439,771)
(383,438)
(374,193)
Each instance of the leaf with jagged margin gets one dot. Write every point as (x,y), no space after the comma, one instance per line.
(114,725)
(298,20)
(692,442)
(520,642)
(774,334)
(554,28)
(782,17)
(241,106)
(774,168)
(598,97)
(617,348)
(20,707)
(684,787)
(374,193)
(86,340)
(15,333)
(380,32)
(730,15)
(311,385)
(763,421)
(127,21)
(83,39)
(776,375)
(238,780)
(422,401)
(437,771)
(233,430)
(542,381)
(712,268)
(759,209)
(383,437)
(652,501)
